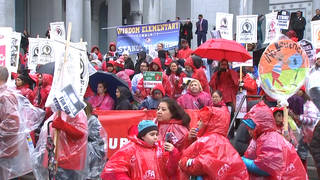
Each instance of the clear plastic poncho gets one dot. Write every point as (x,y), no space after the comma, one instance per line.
(18,117)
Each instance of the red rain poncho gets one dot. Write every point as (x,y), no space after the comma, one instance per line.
(269,149)
(213,155)
(137,160)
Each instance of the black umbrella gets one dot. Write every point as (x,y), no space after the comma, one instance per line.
(111,80)
(46,68)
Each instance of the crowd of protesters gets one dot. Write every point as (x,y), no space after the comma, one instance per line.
(168,148)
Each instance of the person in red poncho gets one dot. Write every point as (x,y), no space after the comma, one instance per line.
(22,84)
(109,66)
(112,54)
(212,156)
(96,50)
(227,81)
(144,157)
(42,89)
(175,76)
(185,52)
(155,65)
(269,155)
(72,147)
(195,98)
(193,66)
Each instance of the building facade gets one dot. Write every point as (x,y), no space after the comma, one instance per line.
(95,21)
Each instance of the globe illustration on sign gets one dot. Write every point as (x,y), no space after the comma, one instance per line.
(295,61)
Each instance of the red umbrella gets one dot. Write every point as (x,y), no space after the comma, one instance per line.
(218,49)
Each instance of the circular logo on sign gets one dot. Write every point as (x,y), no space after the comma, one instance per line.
(246,27)
(224,22)
(59,30)
(46,50)
(35,51)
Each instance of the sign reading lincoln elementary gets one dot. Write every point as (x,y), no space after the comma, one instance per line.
(145,37)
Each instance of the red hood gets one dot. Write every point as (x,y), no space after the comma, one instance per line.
(47,79)
(93,47)
(112,44)
(157,61)
(160,88)
(189,62)
(262,116)
(215,120)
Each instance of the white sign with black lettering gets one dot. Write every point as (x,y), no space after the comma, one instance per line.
(57,30)
(247,28)
(33,53)
(224,23)
(271,27)
(14,51)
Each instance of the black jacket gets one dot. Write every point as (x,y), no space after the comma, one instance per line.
(123,102)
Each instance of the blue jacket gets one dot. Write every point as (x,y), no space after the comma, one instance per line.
(204,26)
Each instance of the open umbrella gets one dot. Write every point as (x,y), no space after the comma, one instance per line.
(218,49)
(112,81)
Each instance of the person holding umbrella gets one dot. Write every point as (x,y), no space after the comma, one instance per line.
(102,100)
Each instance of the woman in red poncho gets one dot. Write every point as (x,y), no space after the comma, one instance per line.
(269,155)
(175,76)
(96,50)
(42,89)
(23,86)
(212,156)
(194,68)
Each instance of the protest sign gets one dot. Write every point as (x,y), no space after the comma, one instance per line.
(224,23)
(14,51)
(283,68)
(68,101)
(74,71)
(117,123)
(33,53)
(57,30)
(271,27)
(308,48)
(283,19)
(46,51)
(136,38)
(243,108)
(5,46)
(151,79)
(247,28)
(315,33)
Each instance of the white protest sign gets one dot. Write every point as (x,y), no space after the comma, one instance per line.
(68,101)
(283,18)
(271,27)
(247,28)
(5,46)
(74,71)
(57,30)
(224,23)
(243,109)
(33,53)
(14,51)
(308,48)
(315,33)
(45,51)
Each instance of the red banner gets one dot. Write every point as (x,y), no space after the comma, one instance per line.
(118,122)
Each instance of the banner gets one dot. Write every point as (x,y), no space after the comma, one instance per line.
(224,23)
(271,27)
(41,51)
(308,48)
(5,46)
(74,71)
(118,122)
(151,79)
(283,68)
(138,38)
(283,19)
(247,28)
(14,51)
(57,30)
(315,33)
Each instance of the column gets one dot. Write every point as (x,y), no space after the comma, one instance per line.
(87,22)
(114,18)
(7,13)
(57,10)
(136,7)
(151,11)
(74,14)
